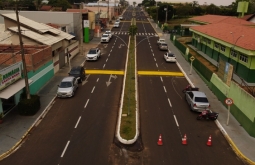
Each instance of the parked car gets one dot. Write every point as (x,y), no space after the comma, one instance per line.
(117,20)
(116,24)
(67,87)
(105,38)
(160,40)
(120,17)
(93,54)
(78,71)
(163,46)
(169,57)
(109,32)
(197,100)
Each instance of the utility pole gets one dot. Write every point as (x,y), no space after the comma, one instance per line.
(81,27)
(22,54)
(108,11)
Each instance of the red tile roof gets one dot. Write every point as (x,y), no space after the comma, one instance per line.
(222,31)
(210,19)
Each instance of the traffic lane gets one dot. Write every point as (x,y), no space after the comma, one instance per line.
(105,49)
(149,28)
(53,131)
(124,27)
(95,132)
(159,55)
(145,56)
(197,131)
(116,59)
(157,118)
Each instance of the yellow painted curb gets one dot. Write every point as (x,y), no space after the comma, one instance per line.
(158,73)
(105,72)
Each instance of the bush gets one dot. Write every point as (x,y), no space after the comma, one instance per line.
(29,107)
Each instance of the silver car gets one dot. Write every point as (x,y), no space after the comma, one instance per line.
(197,100)
(67,87)
(163,46)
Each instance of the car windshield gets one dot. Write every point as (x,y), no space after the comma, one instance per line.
(170,55)
(105,35)
(201,99)
(163,44)
(65,84)
(92,52)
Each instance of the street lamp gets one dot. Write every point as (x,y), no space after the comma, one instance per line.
(166,9)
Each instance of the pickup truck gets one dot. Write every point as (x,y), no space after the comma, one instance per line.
(105,38)
(160,40)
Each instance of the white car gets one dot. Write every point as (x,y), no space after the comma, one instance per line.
(105,38)
(116,24)
(67,87)
(109,33)
(169,57)
(93,54)
(120,17)
(160,40)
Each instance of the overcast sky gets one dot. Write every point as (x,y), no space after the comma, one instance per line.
(201,2)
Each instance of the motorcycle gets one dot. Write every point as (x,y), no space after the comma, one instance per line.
(190,88)
(208,116)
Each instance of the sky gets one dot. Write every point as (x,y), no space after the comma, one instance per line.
(201,2)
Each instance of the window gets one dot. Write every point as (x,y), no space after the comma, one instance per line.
(208,41)
(233,53)
(222,48)
(243,58)
(216,45)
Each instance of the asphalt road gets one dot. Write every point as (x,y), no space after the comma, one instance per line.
(81,130)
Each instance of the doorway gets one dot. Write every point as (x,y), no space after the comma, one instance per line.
(8,104)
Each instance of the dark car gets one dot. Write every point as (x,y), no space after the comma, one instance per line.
(78,71)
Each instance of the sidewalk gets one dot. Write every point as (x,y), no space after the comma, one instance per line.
(15,127)
(241,142)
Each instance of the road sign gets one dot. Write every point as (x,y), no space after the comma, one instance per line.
(229,101)
(192,58)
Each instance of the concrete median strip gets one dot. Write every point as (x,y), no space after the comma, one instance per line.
(116,72)
(158,73)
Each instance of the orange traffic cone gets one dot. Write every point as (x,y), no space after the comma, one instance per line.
(184,139)
(209,141)
(160,143)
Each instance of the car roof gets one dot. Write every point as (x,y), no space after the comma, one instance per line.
(76,68)
(198,94)
(69,78)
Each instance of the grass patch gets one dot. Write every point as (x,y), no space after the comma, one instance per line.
(128,123)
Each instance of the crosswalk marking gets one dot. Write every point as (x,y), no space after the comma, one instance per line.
(138,34)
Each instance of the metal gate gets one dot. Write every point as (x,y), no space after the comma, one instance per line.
(61,59)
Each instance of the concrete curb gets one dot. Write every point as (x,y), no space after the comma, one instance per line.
(18,144)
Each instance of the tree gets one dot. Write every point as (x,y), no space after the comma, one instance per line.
(60,3)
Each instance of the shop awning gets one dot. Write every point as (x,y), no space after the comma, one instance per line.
(13,88)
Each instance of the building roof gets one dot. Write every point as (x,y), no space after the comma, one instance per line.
(223,30)
(210,19)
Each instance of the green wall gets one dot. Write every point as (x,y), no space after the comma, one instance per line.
(40,77)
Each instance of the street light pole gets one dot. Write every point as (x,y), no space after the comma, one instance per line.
(166,9)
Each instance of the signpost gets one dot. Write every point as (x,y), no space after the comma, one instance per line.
(229,102)
(192,58)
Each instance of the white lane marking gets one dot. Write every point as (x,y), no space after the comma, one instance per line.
(111,50)
(169,102)
(86,103)
(150,46)
(65,149)
(112,47)
(161,78)
(104,66)
(157,65)
(151,50)
(97,79)
(154,59)
(152,54)
(176,121)
(165,89)
(106,60)
(77,122)
(93,89)
(108,55)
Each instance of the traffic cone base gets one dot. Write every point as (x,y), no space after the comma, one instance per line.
(209,141)
(160,143)
(184,140)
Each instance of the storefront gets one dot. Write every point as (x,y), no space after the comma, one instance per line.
(11,86)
